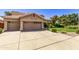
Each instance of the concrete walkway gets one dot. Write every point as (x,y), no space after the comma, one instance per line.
(37,40)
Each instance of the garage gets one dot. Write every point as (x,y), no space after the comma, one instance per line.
(24,22)
(13,25)
(32,25)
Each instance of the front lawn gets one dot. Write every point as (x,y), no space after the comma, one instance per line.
(64,29)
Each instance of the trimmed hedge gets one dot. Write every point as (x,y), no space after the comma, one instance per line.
(54,30)
(64,32)
(77,31)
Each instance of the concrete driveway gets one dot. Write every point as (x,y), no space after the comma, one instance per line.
(37,40)
(70,44)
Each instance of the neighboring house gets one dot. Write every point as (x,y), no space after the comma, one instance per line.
(1,23)
(20,21)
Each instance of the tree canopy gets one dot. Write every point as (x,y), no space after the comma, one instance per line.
(7,13)
(70,19)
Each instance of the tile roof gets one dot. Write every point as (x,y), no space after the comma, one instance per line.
(13,16)
(19,16)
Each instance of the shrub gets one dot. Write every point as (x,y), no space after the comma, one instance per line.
(51,26)
(54,30)
(0,30)
(64,32)
(77,31)
(59,25)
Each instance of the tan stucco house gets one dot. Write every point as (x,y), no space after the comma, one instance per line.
(23,21)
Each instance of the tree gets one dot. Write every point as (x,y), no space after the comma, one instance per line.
(7,13)
(54,19)
(70,19)
(73,19)
(63,20)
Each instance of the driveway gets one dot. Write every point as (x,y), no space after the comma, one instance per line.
(36,40)
(70,44)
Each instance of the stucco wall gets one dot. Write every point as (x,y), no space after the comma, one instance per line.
(6,22)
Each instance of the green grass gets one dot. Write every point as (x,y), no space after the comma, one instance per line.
(64,29)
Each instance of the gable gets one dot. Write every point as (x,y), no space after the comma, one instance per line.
(32,17)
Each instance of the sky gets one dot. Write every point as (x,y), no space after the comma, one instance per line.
(46,12)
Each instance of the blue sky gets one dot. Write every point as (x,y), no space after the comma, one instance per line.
(46,12)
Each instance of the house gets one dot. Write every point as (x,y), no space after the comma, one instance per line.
(23,21)
(1,23)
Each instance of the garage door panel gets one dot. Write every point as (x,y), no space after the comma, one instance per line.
(13,26)
(31,26)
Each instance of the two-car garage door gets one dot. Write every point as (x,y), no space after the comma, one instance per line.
(15,25)
(32,25)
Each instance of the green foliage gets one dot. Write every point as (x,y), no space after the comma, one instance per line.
(54,30)
(7,13)
(54,19)
(59,25)
(64,32)
(50,25)
(72,27)
(65,20)
(1,30)
(77,31)
(64,29)
(65,23)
